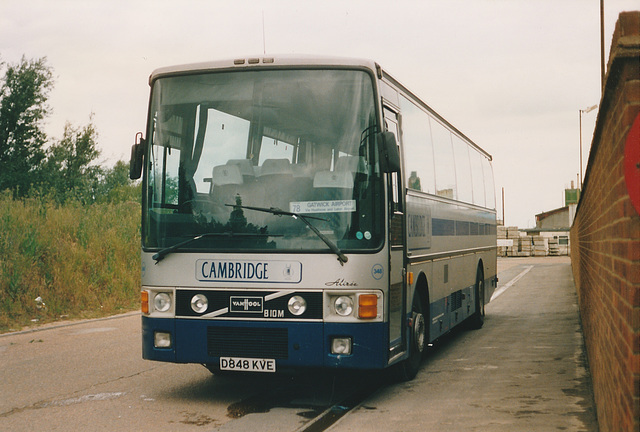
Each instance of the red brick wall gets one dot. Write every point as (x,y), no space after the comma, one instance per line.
(605,243)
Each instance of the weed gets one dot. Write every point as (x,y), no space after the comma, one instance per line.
(82,261)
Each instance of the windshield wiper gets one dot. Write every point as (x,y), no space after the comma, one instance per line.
(279,212)
(159,256)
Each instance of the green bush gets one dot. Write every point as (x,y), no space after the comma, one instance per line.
(81,260)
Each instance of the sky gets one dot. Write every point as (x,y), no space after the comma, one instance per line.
(512,75)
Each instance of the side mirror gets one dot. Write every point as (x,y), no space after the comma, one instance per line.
(389,153)
(137,156)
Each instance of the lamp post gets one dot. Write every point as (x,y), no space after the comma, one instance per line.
(586,110)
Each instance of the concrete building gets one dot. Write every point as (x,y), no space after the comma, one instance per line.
(551,234)
(553,229)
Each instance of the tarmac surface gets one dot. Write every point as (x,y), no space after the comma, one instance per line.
(525,370)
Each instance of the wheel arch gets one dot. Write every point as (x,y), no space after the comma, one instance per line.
(422,289)
(480,268)
(480,264)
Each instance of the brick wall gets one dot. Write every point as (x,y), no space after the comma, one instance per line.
(605,243)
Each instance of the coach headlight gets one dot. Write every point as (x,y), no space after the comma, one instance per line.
(341,345)
(343,306)
(297,305)
(162,302)
(199,303)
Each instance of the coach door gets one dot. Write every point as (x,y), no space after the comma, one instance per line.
(397,287)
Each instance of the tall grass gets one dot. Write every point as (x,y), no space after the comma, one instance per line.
(83,261)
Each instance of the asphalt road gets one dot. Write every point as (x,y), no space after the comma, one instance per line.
(525,370)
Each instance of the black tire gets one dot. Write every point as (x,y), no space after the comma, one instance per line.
(418,337)
(476,321)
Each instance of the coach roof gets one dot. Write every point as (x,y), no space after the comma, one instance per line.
(264,62)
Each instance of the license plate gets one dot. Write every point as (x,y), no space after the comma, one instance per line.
(247,364)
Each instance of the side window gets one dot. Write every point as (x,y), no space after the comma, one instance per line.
(489,186)
(271,148)
(166,162)
(395,228)
(225,138)
(477,177)
(463,169)
(444,162)
(417,147)
(391,121)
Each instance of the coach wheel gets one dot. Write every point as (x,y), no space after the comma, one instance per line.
(408,369)
(477,319)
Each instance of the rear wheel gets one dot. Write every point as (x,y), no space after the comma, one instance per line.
(476,321)
(408,369)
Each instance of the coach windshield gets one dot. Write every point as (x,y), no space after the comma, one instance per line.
(247,160)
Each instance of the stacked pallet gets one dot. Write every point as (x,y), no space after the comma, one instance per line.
(513,234)
(502,236)
(540,246)
(526,246)
(554,247)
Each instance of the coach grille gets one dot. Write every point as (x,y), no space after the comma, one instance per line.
(246,342)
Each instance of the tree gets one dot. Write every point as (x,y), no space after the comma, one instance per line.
(115,185)
(117,176)
(68,169)
(23,105)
